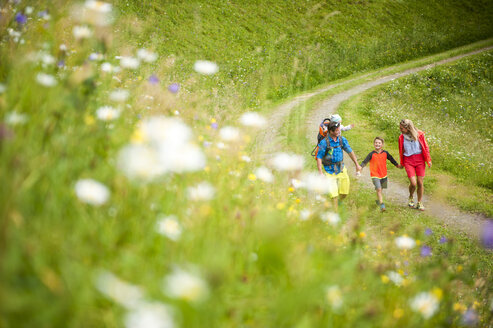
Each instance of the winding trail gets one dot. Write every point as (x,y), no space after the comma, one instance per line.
(450,216)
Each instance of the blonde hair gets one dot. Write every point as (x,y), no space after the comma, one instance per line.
(411,129)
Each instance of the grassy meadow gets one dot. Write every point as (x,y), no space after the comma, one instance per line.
(131,198)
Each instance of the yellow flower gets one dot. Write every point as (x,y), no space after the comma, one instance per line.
(89,119)
(459,268)
(418,242)
(291,189)
(385,279)
(213,120)
(438,292)
(476,304)
(401,272)
(398,313)
(391,232)
(298,200)
(252,177)
(201,138)
(207,169)
(362,234)
(458,307)
(280,206)
(137,136)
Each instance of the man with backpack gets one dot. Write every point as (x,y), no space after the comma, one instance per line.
(331,157)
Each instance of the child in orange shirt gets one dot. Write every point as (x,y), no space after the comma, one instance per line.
(378,168)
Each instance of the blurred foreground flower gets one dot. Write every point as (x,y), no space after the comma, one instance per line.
(264,174)
(287,162)
(229,133)
(405,242)
(119,95)
(205,67)
(169,227)
(149,315)
(185,285)
(425,303)
(46,80)
(470,318)
(3,88)
(426,251)
(331,218)
(139,162)
(253,119)
(320,184)
(334,297)
(202,191)
(118,290)
(487,234)
(14,118)
(97,13)
(129,62)
(146,55)
(92,192)
(174,87)
(107,113)
(81,32)
(395,277)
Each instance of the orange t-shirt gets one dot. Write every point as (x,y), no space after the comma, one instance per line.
(378,163)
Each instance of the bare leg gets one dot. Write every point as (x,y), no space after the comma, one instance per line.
(379,195)
(412,186)
(421,188)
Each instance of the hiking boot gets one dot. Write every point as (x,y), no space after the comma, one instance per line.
(411,202)
(420,206)
(382,207)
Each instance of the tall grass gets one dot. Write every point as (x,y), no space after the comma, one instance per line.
(253,253)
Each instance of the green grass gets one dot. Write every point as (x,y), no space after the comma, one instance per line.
(262,264)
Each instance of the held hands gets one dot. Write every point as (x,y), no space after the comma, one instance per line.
(429,164)
(400,166)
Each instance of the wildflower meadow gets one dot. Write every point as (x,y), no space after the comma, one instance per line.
(136,193)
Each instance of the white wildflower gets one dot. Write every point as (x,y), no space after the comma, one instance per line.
(46,80)
(287,162)
(229,133)
(96,56)
(179,158)
(297,183)
(331,218)
(94,12)
(158,129)
(92,192)
(170,227)
(205,67)
(14,118)
(107,113)
(185,285)
(146,55)
(3,88)
(139,162)
(425,303)
(129,62)
(106,67)
(305,214)
(202,191)
(395,277)
(253,119)
(118,290)
(246,158)
(29,10)
(405,242)
(264,174)
(320,184)
(119,95)
(81,32)
(149,315)
(334,297)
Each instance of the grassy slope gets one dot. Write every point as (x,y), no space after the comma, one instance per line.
(263,266)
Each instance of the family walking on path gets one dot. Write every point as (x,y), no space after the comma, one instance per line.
(413,152)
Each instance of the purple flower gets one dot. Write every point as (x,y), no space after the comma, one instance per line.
(20,19)
(173,88)
(428,232)
(425,251)
(207,144)
(61,64)
(443,240)
(153,79)
(487,235)
(214,125)
(470,318)
(43,13)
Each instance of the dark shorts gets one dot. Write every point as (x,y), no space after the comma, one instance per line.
(379,183)
(415,165)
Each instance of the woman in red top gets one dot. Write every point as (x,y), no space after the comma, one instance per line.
(414,153)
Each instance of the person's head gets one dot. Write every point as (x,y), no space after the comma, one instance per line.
(334,128)
(407,127)
(378,143)
(335,118)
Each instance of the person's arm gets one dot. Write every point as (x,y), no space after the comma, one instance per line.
(346,127)
(391,159)
(427,150)
(367,159)
(355,160)
(319,166)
